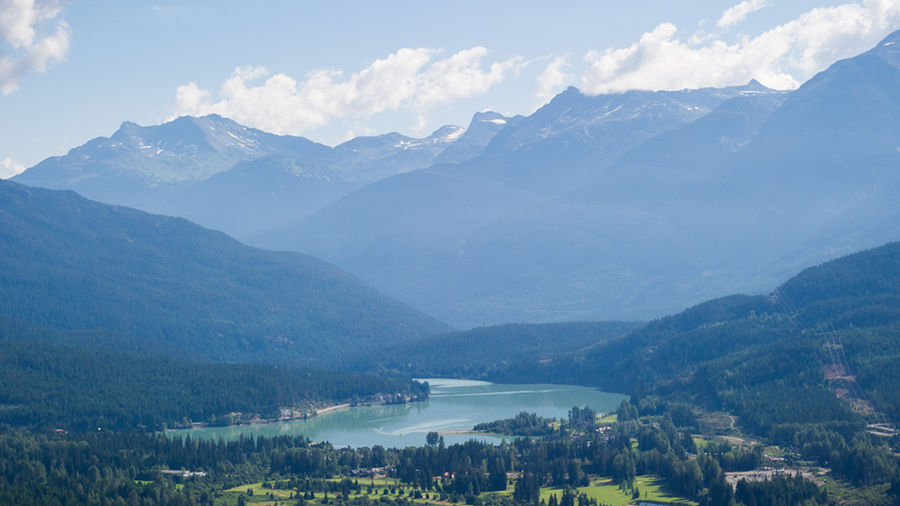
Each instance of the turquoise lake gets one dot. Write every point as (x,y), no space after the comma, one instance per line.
(455,405)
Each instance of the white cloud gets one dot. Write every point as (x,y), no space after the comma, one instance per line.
(409,79)
(737,13)
(30,46)
(782,57)
(9,168)
(553,79)
(461,76)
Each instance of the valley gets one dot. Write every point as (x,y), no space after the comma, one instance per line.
(654,295)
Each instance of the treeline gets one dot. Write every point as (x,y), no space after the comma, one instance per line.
(523,424)
(105,467)
(790,490)
(480,352)
(47,385)
(531,425)
(844,447)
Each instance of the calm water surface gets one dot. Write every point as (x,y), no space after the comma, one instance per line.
(455,405)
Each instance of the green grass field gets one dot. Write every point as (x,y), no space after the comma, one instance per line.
(652,489)
(267,496)
(260,495)
(610,418)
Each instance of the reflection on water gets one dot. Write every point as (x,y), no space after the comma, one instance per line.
(437,383)
(455,405)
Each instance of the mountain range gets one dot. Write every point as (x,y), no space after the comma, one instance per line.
(617,206)
(646,202)
(242,180)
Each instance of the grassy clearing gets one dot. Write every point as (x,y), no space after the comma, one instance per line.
(717,422)
(264,496)
(775,451)
(610,418)
(841,492)
(651,487)
(700,441)
(261,495)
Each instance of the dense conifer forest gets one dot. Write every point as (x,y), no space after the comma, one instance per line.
(170,286)
(106,468)
(49,385)
(481,352)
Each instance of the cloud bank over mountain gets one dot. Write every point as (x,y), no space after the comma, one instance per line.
(413,82)
(408,79)
(781,57)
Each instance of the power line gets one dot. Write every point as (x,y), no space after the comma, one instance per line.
(839,361)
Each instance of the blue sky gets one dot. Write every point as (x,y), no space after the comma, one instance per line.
(71,71)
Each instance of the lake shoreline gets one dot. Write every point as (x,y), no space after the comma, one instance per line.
(453,410)
(328,409)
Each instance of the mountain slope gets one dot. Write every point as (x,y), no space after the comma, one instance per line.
(634,205)
(81,388)
(612,123)
(370,159)
(480,352)
(483,127)
(813,183)
(829,321)
(70,263)
(267,192)
(469,241)
(821,352)
(639,240)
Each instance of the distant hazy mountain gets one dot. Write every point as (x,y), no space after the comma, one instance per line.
(573,123)
(267,192)
(70,263)
(633,205)
(369,159)
(472,241)
(145,166)
(483,127)
(238,179)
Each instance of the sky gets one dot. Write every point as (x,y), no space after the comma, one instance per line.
(74,70)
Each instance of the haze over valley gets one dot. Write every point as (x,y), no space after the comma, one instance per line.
(615,206)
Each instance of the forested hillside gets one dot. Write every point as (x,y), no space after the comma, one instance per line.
(776,359)
(70,263)
(47,385)
(481,352)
